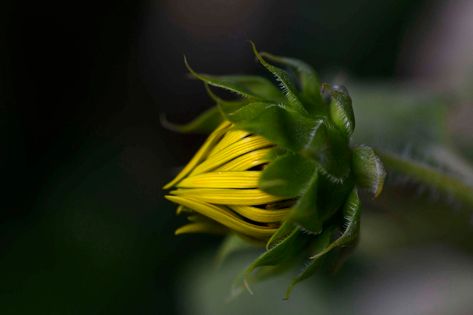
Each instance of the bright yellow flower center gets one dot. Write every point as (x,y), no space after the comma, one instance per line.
(219,187)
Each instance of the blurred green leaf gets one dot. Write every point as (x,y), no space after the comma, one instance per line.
(399,118)
(233,243)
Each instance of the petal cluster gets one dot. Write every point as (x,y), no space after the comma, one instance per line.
(219,191)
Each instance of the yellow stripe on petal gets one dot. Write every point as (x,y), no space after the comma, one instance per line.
(231,137)
(236,197)
(241,147)
(208,145)
(261,215)
(224,217)
(201,227)
(248,179)
(246,161)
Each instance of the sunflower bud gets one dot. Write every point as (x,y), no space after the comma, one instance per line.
(278,169)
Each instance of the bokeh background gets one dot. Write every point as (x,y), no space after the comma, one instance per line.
(84,228)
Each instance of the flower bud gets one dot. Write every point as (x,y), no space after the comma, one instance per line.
(279,169)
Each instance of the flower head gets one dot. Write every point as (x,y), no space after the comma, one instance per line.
(278,168)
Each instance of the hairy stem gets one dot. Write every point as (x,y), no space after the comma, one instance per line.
(429,176)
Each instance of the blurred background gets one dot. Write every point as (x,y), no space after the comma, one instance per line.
(84,228)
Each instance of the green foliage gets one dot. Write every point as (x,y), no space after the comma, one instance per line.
(341,111)
(369,170)
(317,246)
(276,123)
(287,86)
(310,86)
(288,175)
(284,230)
(351,214)
(331,150)
(204,123)
(254,87)
(283,251)
(306,212)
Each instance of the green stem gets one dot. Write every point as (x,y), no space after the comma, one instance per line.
(429,176)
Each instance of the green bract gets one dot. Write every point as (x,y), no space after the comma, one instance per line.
(311,163)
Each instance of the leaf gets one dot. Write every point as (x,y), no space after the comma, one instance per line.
(330,149)
(310,86)
(283,78)
(351,213)
(283,251)
(318,245)
(287,176)
(278,256)
(257,85)
(341,110)
(283,127)
(331,195)
(283,232)
(305,212)
(369,170)
(245,85)
(276,153)
(205,123)
(226,106)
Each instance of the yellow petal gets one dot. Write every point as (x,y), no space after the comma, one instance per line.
(224,217)
(182,209)
(246,161)
(208,145)
(236,197)
(261,215)
(236,149)
(230,137)
(201,227)
(247,179)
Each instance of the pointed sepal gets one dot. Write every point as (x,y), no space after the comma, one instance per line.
(205,123)
(340,108)
(369,170)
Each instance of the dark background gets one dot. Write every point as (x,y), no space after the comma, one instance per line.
(84,228)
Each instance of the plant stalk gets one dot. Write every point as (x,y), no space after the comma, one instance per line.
(429,176)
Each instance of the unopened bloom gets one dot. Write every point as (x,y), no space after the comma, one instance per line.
(278,168)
